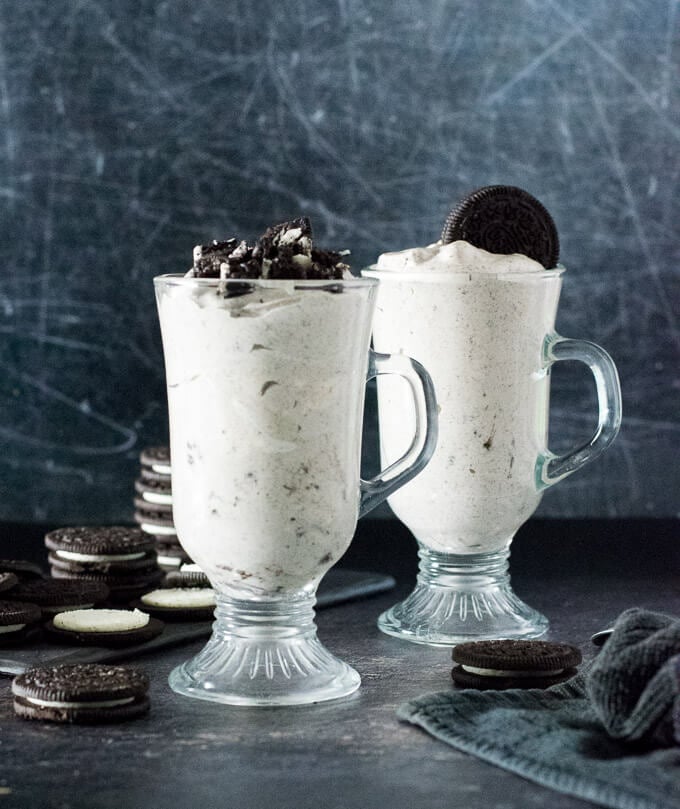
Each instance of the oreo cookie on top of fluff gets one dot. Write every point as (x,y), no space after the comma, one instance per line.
(284,251)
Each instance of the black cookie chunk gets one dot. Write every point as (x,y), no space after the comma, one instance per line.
(505,219)
(19,622)
(85,693)
(501,664)
(53,595)
(284,251)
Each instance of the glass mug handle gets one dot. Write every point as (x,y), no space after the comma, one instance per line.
(553,468)
(378,488)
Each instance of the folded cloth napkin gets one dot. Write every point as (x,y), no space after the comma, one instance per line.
(606,735)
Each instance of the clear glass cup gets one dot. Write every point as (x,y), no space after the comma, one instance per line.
(488,340)
(266,383)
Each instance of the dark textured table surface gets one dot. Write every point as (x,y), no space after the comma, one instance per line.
(349,753)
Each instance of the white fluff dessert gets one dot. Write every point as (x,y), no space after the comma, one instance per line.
(478,322)
(265,427)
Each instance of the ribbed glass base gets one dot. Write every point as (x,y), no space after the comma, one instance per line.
(459,598)
(264,653)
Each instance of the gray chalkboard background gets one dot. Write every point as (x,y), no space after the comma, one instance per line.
(131,130)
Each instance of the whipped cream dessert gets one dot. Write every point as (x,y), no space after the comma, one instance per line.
(265,384)
(477,321)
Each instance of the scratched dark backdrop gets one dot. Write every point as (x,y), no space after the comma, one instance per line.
(129,131)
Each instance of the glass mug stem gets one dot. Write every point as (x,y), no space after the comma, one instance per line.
(552,468)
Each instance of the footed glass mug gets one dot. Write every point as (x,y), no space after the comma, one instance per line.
(265,384)
(488,341)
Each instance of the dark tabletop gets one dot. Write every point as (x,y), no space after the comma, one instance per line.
(349,753)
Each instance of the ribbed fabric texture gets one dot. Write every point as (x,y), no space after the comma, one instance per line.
(611,735)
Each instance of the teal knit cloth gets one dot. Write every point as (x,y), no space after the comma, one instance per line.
(610,735)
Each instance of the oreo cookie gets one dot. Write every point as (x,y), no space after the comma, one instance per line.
(154,492)
(505,219)
(110,549)
(188,575)
(156,459)
(22,568)
(121,557)
(85,693)
(57,596)
(103,627)
(171,555)
(7,581)
(19,622)
(502,664)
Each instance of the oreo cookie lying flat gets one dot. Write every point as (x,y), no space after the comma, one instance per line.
(107,549)
(179,603)
(57,596)
(502,664)
(85,693)
(505,219)
(19,622)
(103,627)
(22,568)
(7,581)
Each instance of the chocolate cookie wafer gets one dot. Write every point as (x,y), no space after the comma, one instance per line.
(54,596)
(86,693)
(505,219)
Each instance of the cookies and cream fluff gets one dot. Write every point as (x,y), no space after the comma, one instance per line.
(477,321)
(265,380)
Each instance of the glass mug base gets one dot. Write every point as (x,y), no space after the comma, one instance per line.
(461,598)
(264,653)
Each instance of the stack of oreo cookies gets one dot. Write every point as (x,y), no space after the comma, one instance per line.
(153,507)
(120,557)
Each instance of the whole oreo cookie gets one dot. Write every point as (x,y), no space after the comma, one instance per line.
(505,219)
(52,595)
(501,664)
(18,622)
(157,459)
(86,693)
(103,627)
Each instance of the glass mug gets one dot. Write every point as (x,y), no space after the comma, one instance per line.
(265,383)
(488,340)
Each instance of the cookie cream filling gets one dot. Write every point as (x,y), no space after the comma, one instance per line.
(159,499)
(509,672)
(101,620)
(173,561)
(161,468)
(103,703)
(158,530)
(11,628)
(180,597)
(75,556)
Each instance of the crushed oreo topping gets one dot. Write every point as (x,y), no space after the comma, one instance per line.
(284,251)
